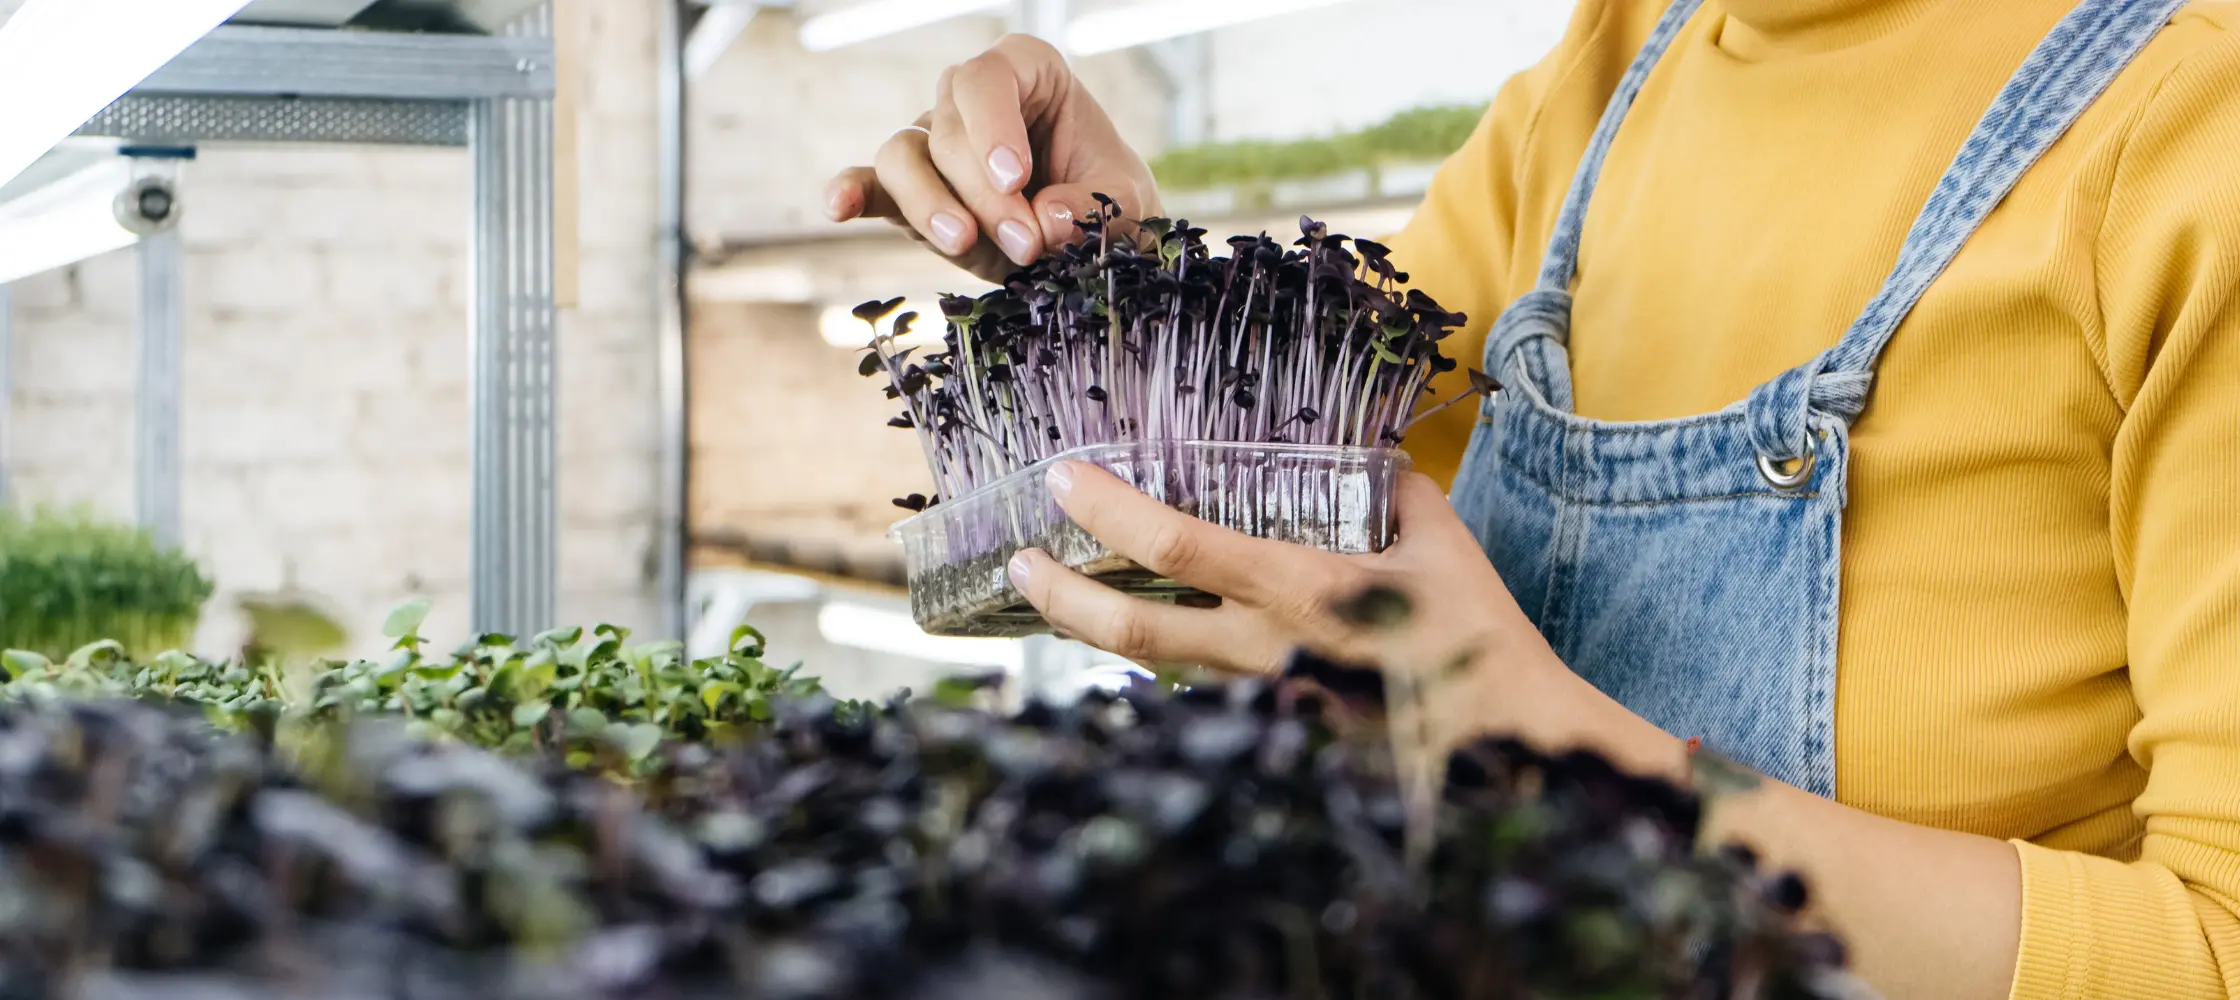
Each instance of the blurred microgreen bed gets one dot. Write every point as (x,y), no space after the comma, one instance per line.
(69,579)
(592,694)
(1252,839)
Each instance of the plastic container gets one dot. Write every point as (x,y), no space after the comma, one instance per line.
(1333,498)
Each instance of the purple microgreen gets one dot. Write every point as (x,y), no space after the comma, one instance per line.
(1143,333)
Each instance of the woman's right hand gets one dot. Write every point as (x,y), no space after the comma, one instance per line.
(1010,155)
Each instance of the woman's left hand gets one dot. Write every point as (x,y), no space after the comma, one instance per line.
(1277,598)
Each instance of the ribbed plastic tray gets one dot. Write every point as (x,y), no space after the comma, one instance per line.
(1338,499)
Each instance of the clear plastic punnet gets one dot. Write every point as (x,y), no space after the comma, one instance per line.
(1338,499)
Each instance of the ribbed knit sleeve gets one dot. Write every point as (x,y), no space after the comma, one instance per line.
(2167,270)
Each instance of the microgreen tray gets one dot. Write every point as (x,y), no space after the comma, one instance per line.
(1334,498)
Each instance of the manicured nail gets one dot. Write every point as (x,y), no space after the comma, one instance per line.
(1059,479)
(1062,217)
(837,200)
(948,230)
(1004,166)
(1017,242)
(1021,568)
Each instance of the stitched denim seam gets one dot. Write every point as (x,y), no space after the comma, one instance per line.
(1569,495)
(1571,421)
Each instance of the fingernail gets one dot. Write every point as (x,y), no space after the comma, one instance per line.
(1062,215)
(1017,242)
(836,202)
(948,230)
(1021,568)
(1004,166)
(1059,480)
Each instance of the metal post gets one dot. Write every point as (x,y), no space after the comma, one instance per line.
(156,420)
(512,358)
(674,539)
(7,383)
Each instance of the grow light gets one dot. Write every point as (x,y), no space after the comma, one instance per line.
(62,61)
(1157,20)
(65,221)
(879,18)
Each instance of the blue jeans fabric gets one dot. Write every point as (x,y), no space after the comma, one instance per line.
(1690,568)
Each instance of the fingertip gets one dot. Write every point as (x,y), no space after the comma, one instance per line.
(1057,222)
(1059,481)
(952,234)
(1018,242)
(1021,569)
(843,200)
(1008,169)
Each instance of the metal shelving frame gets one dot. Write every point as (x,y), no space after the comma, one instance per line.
(492,95)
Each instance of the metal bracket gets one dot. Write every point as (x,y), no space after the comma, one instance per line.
(156,471)
(672,542)
(513,360)
(493,94)
(186,118)
(7,383)
(310,62)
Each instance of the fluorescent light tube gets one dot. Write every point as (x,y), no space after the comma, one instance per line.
(62,61)
(1118,28)
(879,18)
(712,37)
(64,222)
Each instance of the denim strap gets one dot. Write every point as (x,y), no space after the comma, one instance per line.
(1527,339)
(2068,70)
(1562,260)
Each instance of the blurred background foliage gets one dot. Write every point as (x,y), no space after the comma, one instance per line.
(68,578)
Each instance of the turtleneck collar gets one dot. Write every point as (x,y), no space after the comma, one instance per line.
(1797,26)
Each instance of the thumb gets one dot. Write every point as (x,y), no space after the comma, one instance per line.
(1427,518)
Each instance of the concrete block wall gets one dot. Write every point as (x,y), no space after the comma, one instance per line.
(325,427)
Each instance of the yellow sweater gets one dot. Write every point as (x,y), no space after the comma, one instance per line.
(2040,632)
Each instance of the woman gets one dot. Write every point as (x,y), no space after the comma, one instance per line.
(1942,530)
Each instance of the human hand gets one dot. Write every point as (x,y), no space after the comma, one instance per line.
(996,173)
(1277,598)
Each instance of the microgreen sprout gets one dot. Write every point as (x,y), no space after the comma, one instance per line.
(1148,336)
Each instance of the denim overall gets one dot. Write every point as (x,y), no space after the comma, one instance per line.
(1689,567)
